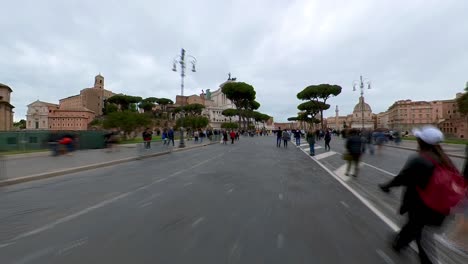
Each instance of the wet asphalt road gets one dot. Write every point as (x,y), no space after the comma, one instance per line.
(244,203)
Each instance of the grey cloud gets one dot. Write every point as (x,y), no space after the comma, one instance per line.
(52,49)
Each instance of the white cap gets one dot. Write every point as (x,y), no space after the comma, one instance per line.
(429,134)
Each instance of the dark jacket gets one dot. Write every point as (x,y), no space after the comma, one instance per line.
(327,136)
(170,134)
(310,137)
(279,133)
(353,145)
(416,173)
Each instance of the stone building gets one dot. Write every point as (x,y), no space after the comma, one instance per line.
(72,113)
(362,115)
(37,117)
(6,109)
(89,98)
(70,119)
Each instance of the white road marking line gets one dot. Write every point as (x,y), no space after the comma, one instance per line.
(325,155)
(70,217)
(340,172)
(379,169)
(6,245)
(369,205)
(73,245)
(280,241)
(100,205)
(384,256)
(344,204)
(304,145)
(188,184)
(230,190)
(280,196)
(318,147)
(145,204)
(198,221)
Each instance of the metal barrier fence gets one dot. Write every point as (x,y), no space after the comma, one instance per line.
(24,141)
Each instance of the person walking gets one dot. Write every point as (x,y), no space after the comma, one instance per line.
(279,134)
(417,177)
(327,140)
(147,136)
(310,137)
(196,134)
(286,137)
(164,137)
(225,137)
(170,135)
(233,136)
(353,148)
(297,136)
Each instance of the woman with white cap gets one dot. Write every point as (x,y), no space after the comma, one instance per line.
(416,176)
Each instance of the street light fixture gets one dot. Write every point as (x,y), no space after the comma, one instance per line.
(180,59)
(362,82)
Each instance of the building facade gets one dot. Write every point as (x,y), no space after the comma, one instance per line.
(37,117)
(70,119)
(90,98)
(404,115)
(6,109)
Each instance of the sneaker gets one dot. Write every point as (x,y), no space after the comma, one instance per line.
(384,188)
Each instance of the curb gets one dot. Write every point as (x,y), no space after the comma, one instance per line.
(46,175)
(412,149)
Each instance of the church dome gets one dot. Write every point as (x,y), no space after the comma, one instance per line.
(362,105)
(5,86)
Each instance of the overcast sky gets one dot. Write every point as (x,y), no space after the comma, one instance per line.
(409,49)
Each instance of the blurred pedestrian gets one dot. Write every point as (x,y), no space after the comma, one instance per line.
(279,135)
(147,137)
(233,136)
(353,148)
(327,140)
(164,137)
(225,137)
(426,196)
(170,136)
(310,138)
(286,137)
(196,135)
(297,136)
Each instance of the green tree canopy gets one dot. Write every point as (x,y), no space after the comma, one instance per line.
(230,112)
(193,109)
(126,121)
(20,124)
(462,102)
(193,122)
(242,96)
(110,108)
(164,102)
(293,118)
(230,125)
(124,101)
(319,94)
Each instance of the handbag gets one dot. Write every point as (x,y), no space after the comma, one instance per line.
(347,157)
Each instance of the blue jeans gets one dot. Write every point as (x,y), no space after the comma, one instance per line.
(278,142)
(298,141)
(312,149)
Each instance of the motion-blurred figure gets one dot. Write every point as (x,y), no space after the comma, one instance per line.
(422,189)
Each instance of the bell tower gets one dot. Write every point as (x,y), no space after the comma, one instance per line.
(99,81)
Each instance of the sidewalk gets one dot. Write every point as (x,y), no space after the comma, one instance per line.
(42,165)
(455,150)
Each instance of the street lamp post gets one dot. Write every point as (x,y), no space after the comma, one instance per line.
(181,60)
(361,84)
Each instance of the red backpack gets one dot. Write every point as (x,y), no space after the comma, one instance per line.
(445,189)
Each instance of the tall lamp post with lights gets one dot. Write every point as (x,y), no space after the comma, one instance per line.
(362,83)
(181,59)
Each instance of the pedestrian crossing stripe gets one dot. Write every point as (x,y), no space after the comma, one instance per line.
(325,155)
